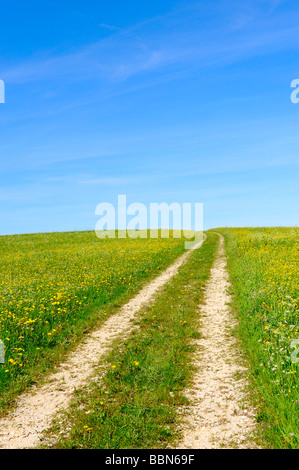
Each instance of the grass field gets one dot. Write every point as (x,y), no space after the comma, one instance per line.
(55,287)
(264,269)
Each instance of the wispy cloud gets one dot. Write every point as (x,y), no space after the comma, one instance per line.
(176,39)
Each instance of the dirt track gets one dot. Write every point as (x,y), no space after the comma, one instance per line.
(219,415)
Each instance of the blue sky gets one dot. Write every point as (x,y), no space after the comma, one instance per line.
(169,101)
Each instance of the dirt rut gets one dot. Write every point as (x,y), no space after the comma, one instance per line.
(220,416)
